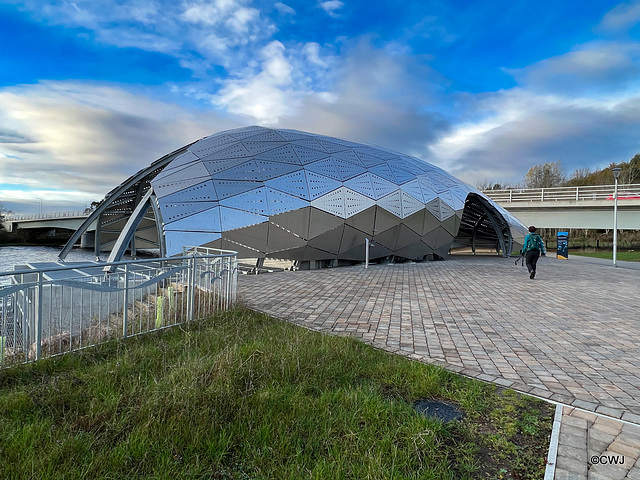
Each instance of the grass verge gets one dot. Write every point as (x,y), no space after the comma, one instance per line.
(245,396)
(627,256)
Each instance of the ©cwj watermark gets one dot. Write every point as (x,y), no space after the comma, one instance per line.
(607,459)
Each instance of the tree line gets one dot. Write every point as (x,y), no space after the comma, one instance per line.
(551,174)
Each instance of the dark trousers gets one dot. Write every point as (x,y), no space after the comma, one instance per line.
(532,257)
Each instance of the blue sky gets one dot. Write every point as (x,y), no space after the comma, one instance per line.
(92,91)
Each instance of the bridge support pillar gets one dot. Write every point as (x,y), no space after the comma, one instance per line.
(88,239)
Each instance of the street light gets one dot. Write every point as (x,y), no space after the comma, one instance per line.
(40,206)
(616,173)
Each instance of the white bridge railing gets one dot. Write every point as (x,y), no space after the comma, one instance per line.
(597,192)
(16,217)
(50,311)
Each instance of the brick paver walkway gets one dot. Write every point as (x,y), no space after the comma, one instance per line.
(571,336)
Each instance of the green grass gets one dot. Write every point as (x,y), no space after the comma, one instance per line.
(627,256)
(244,396)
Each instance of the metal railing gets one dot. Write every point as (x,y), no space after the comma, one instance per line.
(14,217)
(585,193)
(50,311)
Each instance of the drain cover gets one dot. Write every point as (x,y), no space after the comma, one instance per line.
(445,411)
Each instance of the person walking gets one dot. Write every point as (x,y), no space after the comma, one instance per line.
(532,249)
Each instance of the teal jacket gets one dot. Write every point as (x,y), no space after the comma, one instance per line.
(533,242)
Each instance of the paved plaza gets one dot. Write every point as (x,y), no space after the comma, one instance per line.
(571,336)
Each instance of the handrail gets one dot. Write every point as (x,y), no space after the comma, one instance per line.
(581,193)
(16,217)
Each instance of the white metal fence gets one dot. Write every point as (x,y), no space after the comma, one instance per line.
(55,310)
(597,192)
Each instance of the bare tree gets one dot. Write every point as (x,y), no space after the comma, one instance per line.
(545,176)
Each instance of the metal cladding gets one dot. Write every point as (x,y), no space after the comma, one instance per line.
(288,194)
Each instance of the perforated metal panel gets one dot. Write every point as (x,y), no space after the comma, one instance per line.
(392,203)
(237,150)
(211,144)
(280,202)
(347,169)
(173,211)
(332,202)
(309,142)
(381,187)
(329,146)
(409,204)
(324,167)
(206,221)
(254,201)
(355,203)
(189,172)
(268,170)
(413,189)
(228,188)
(201,192)
(361,184)
(174,241)
(264,136)
(232,218)
(383,171)
(294,184)
(349,157)
(308,155)
(319,184)
(245,171)
(256,148)
(402,176)
(284,154)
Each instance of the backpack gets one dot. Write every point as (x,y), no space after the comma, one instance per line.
(534,242)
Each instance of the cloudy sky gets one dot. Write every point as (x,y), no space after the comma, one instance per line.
(93,91)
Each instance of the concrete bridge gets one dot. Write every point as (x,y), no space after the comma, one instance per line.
(50,222)
(588,207)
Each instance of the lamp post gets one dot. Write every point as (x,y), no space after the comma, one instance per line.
(40,206)
(616,173)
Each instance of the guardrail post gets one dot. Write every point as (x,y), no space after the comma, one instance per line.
(577,194)
(191,286)
(542,194)
(125,311)
(39,318)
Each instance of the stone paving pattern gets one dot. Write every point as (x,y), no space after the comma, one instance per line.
(571,335)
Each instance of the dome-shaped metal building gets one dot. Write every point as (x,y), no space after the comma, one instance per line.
(277,193)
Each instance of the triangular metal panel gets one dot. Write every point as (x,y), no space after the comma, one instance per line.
(415,164)
(310,142)
(245,171)
(308,155)
(352,238)
(256,148)
(232,218)
(392,203)
(328,241)
(174,241)
(348,156)
(450,225)
(280,239)
(202,192)
(377,251)
(410,205)
(330,146)
(266,136)
(164,188)
(320,185)
(293,184)
(445,210)
(280,202)
(367,159)
(245,132)
(290,135)
(212,144)
(254,237)
(332,202)
(444,178)
(321,222)
(447,198)
(284,154)
(402,176)
(244,251)
(383,171)
(237,150)
(430,222)
(364,221)
(431,238)
(173,211)
(196,170)
(361,184)
(406,237)
(385,220)
(216,166)
(181,161)
(434,207)
(459,197)
(205,221)
(415,221)
(324,167)
(413,189)
(254,201)
(357,254)
(268,170)
(317,254)
(355,203)
(296,221)
(388,238)
(229,188)
(416,250)
(437,185)
(347,169)
(382,187)
(289,254)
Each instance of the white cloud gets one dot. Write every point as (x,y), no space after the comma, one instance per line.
(284,9)
(331,6)
(621,18)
